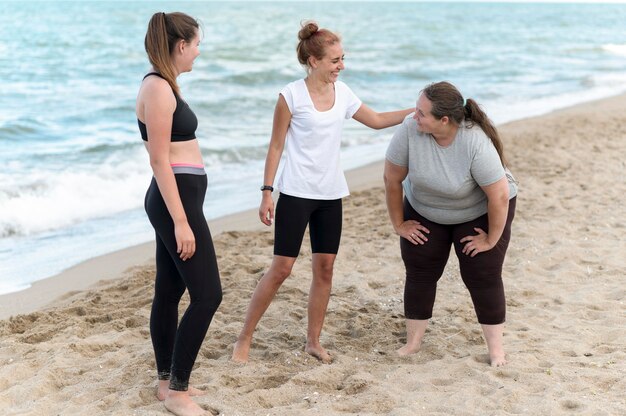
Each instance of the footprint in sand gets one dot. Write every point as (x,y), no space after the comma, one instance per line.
(571,405)
(353,386)
(210,409)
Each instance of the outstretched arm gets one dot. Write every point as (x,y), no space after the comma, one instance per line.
(374,120)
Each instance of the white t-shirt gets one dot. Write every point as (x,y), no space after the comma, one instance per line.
(312,159)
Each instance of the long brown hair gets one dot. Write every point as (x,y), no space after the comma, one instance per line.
(313,42)
(164,31)
(447,101)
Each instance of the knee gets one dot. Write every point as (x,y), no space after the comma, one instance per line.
(489,304)
(209,302)
(423,276)
(279,272)
(171,296)
(491,316)
(324,271)
(484,279)
(479,273)
(217,299)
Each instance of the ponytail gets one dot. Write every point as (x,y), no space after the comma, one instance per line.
(164,31)
(475,115)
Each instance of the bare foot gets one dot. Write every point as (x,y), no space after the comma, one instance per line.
(497,360)
(415,330)
(493,336)
(241,350)
(408,349)
(318,352)
(180,403)
(164,387)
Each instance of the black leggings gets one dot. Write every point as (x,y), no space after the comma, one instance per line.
(482,274)
(176,345)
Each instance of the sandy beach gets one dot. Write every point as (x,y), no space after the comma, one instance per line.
(79,344)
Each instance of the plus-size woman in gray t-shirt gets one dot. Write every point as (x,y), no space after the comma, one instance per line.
(448,161)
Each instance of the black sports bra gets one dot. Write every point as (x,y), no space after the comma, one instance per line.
(184,121)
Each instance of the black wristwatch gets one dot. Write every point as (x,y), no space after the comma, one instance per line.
(267,188)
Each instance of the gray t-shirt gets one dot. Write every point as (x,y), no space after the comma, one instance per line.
(443,183)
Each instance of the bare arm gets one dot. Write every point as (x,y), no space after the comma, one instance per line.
(374,120)
(159,104)
(497,211)
(410,230)
(282,118)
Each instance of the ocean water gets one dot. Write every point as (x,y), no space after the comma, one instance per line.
(74,169)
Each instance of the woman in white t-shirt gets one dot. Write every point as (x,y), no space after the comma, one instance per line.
(308,118)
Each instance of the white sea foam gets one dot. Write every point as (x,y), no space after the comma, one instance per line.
(615,49)
(11,286)
(600,86)
(44,200)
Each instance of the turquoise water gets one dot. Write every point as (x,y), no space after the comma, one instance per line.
(74,168)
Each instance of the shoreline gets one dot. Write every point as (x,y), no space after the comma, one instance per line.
(46,292)
(86,274)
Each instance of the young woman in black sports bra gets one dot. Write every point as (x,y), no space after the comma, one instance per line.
(185,257)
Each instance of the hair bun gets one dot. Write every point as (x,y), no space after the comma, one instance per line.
(309,28)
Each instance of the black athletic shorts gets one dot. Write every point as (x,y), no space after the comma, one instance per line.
(324,218)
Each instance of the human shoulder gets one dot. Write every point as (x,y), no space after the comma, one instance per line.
(479,146)
(474,135)
(398,151)
(342,87)
(410,125)
(293,91)
(154,87)
(295,86)
(294,94)
(406,130)
(409,120)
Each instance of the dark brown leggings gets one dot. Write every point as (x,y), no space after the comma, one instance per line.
(482,274)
